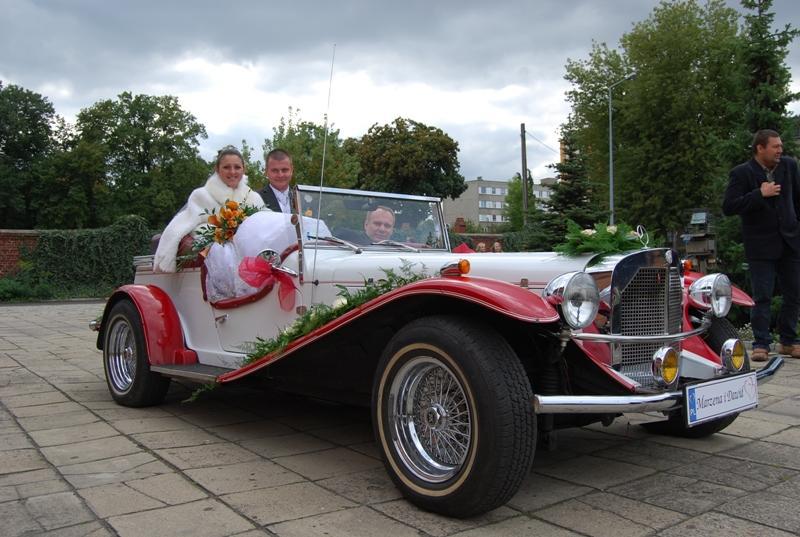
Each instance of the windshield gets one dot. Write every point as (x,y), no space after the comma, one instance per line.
(372,219)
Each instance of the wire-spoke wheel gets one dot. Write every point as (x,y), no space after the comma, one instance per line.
(453,416)
(430,419)
(125,360)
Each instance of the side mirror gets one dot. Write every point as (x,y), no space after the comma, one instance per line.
(270,256)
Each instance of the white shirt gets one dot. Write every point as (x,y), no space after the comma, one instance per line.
(283,199)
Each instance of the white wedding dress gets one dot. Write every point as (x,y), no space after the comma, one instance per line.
(265,230)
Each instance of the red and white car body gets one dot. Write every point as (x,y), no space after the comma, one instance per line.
(463,369)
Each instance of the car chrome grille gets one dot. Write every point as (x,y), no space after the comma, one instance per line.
(650,305)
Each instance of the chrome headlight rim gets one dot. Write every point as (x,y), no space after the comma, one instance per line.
(578,297)
(714,293)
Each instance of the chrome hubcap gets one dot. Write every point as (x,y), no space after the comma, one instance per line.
(430,419)
(121,349)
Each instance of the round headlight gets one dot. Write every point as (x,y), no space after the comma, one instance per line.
(733,355)
(581,300)
(665,366)
(713,292)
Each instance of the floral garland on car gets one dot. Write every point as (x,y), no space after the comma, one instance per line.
(602,239)
(321,314)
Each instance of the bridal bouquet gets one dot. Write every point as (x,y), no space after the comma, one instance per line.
(221,226)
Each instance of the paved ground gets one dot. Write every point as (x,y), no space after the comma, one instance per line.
(242,462)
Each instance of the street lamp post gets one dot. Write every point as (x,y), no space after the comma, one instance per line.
(611,147)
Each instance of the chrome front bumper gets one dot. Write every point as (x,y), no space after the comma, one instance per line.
(620,404)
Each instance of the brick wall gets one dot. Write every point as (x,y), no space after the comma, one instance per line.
(10,242)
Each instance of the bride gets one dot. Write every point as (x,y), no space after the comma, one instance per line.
(228,182)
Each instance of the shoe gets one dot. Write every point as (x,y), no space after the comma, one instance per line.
(759,355)
(790,350)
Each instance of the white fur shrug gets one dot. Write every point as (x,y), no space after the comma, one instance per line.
(191,216)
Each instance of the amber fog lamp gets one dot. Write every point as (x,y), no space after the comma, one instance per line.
(733,354)
(665,366)
(454,269)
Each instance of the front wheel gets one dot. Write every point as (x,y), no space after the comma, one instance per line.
(453,416)
(125,360)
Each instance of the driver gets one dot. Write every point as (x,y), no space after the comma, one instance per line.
(379,224)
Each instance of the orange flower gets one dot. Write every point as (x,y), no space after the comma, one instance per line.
(218,235)
(230,204)
(232,223)
(213,220)
(224,213)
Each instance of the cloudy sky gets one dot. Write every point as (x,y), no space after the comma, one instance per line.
(474,69)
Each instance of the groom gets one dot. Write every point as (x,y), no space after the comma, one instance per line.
(277,194)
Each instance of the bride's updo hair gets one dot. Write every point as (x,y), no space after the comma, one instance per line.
(225,151)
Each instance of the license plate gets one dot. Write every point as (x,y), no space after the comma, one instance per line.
(717,398)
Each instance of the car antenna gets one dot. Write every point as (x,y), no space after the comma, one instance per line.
(322,170)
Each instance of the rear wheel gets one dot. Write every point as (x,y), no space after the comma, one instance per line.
(125,360)
(721,330)
(453,416)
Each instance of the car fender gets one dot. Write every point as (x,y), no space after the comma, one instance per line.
(163,333)
(739,297)
(501,297)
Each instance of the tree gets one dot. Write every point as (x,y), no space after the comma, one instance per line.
(305,142)
(26,120)
(254,168)
(571,197)
(513,206)
(673,121)
(149,149)
(70,190)
(409,157)
(768,77)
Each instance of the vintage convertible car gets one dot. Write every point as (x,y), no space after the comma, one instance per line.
(463,369)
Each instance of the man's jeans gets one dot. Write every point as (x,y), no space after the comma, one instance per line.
(762,276)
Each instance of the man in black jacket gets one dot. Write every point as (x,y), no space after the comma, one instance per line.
(277,194)
(765,193)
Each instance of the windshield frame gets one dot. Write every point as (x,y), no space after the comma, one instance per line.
(437,214)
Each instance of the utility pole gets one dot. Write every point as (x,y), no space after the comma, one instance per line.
(524,176)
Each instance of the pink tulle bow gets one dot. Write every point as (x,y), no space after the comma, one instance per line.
(257,272)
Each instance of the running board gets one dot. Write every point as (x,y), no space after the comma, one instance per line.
(194,372)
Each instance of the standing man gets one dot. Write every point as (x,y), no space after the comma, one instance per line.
(277,194)
(765,193)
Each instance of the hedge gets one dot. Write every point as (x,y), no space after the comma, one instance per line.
(93,258)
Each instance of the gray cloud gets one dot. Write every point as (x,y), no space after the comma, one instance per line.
(79,51)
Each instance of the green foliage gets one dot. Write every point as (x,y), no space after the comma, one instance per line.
(305,141)
(321,314)
(93,258)
(409,157)
(25,138)
(513,207)
(253,168)
(572,196)
(600,239)
(673,122)
(149,148)
(21,287)
(768,77)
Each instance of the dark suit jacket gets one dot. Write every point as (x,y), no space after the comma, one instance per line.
(769,225)
(269,198)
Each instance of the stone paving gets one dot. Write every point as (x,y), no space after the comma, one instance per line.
(245,462)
